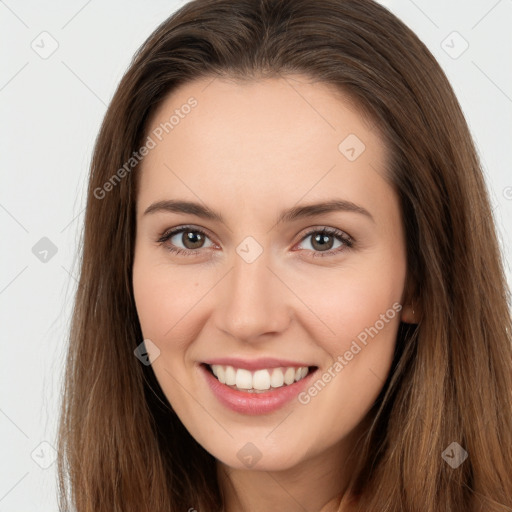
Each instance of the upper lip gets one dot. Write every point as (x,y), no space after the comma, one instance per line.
(255,364)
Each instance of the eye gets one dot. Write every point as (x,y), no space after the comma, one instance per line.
(323,240)
(192,239)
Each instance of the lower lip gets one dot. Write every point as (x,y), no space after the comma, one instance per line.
(254,403)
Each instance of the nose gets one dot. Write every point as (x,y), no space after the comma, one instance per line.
(253,300)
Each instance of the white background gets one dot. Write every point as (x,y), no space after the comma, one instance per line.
(51,110)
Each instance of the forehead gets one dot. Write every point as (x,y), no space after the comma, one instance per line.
(265,137)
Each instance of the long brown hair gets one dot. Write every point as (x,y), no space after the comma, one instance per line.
(121,446)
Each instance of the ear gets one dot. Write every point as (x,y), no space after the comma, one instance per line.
(411,313)
(411,306)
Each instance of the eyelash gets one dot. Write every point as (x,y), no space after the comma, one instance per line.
(348,241)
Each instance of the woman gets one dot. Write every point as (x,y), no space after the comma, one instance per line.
(291,294)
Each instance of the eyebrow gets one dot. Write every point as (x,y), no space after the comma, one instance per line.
(294,213)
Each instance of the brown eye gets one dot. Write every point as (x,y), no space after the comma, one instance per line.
(184,240)
(328,241)
(192,239)
(322,242)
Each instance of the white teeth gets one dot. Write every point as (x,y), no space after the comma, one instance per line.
(289,376)
(230,375)
(259,380)
(243,379)
(220,374)
(277,378)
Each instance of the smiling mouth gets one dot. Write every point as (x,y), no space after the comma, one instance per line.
(258,381)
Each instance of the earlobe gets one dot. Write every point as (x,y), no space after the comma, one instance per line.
(410,313)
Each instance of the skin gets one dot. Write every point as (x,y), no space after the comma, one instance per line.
(249,150)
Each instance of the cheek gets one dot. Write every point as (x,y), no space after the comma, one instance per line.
(164,297)
(364,321)
(361,309)
(165,302)
(349,301)
(152,299)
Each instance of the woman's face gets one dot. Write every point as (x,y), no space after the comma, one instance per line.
(257,291)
